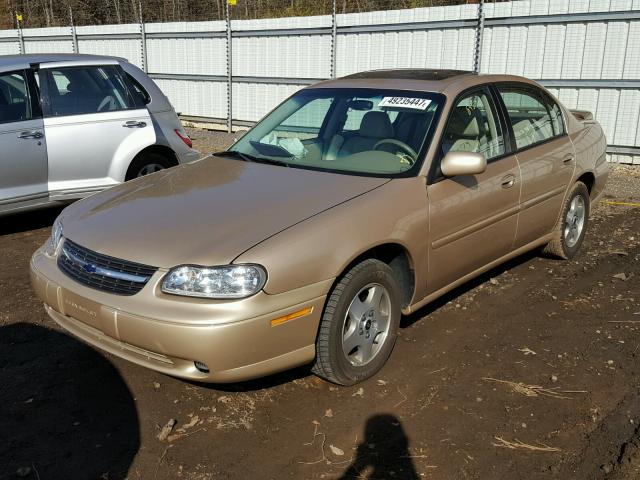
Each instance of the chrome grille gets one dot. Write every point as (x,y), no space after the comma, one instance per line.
(101,271)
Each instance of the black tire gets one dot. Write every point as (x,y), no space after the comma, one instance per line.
(558,246)
(331,362)
(145,160)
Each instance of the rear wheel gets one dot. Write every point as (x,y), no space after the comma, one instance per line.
(359,325)
(570,230)
(147,163)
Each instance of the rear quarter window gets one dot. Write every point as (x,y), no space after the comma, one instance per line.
(139,90)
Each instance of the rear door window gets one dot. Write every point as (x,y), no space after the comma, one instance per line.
(533,117)
(15,104)
(86,90)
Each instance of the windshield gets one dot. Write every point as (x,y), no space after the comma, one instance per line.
(356,130)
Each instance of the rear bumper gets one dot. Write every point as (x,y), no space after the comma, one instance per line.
(601,174)
(235,339)
(186,156)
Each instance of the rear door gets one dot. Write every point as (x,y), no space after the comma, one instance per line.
(23,153)
(95,124)
(545,154)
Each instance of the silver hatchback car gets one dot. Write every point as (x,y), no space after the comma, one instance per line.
(71,125)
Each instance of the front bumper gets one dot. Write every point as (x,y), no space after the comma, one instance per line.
(235,339)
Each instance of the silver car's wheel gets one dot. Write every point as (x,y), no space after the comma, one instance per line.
(147,163)
(366,324)
(359,324)
(150,168)
(571,227)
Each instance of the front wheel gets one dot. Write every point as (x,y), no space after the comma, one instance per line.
(570,230)
(359,325)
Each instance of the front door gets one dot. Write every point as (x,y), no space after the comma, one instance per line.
(472,218)
(23,151)
(94,124)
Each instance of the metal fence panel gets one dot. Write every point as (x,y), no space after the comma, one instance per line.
(9,43)
(196,98)
(586,51)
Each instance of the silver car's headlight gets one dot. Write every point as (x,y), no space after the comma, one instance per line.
(52,242)
(228,281)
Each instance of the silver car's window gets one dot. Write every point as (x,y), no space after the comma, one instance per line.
(533,119)
(139,90)
(15,105)
(474,126)
(84,90)
(356,130)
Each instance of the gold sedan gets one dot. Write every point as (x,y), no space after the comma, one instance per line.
(355,201)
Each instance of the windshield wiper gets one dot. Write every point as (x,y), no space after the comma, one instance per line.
(247,157)
(236,154)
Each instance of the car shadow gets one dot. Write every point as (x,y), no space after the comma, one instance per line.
(66,411)
(383,453)
(31,220)
(440,302)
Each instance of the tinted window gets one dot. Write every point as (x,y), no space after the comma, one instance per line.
(473,126)
(533,119)
(83,90)
(139,90)
(14,98)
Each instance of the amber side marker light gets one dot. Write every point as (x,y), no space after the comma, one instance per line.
(292,316)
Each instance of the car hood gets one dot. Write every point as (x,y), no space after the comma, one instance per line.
(204,213)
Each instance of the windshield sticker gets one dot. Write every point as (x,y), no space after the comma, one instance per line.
(404,102)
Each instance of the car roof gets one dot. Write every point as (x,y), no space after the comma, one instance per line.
(6,61)
(448,82)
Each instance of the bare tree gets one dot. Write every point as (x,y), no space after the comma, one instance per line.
(41,13)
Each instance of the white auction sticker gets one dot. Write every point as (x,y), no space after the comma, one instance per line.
(405,102)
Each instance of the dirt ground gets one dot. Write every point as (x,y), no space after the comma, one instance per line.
(530,371)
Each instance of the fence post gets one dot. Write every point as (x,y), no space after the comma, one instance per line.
(74,35)
(477,54)
(143,39)
(20,36)
(334,39)
(229,71)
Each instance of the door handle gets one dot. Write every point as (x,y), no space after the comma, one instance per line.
(508,181)
(134,124)
(568,159)
(31,134)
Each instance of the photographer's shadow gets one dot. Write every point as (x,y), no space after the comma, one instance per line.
(383,453)
(65,411)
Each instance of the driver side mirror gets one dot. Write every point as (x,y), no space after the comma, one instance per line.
(463,163)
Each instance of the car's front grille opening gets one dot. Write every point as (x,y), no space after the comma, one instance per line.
(101,271)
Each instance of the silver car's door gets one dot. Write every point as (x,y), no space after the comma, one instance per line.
(95,124)
(23,154)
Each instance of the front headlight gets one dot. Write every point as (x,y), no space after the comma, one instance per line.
(53,241)
(229,281)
